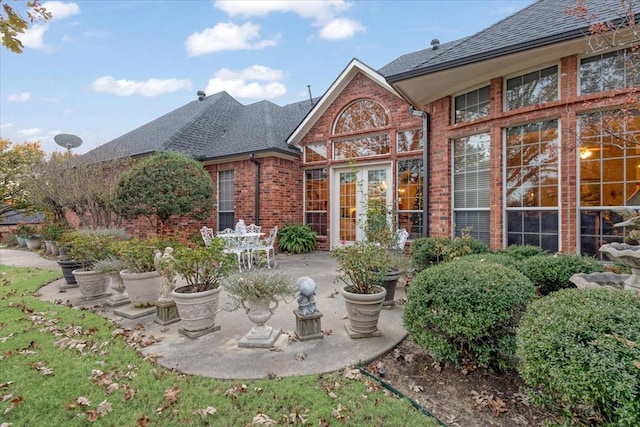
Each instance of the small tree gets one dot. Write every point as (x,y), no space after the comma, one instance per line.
(163,185)
(16,162)
(81,184)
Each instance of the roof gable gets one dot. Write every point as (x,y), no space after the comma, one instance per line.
(351,70)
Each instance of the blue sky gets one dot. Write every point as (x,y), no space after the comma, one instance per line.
(101,68)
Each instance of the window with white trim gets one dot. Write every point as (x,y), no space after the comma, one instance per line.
(609,71)
(471,185)
(472,105)
(532,88)
(316,194)
(226,199)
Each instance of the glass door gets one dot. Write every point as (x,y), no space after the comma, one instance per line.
(354,186)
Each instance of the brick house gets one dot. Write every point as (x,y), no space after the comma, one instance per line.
(502,131)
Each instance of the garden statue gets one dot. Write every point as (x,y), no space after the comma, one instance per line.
(162,262)
(306,298)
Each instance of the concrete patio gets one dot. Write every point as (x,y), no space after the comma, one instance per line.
(218,355)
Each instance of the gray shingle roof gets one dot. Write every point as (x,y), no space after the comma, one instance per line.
(541,23)
(217,126)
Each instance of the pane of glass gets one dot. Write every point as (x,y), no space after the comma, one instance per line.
(315,152)
(549,222)
(361,115)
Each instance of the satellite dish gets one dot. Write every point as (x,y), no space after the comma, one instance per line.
(67,141)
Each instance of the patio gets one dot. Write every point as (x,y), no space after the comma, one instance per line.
(217,354)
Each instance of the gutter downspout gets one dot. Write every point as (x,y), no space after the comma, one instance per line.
(256,206)
(425,159)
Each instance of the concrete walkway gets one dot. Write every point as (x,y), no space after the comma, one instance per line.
(217,354)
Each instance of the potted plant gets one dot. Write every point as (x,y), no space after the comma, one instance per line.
(256,290)
(22,232)
(362,268)
(203,268)
(141,279)
(88,246)
(52,233)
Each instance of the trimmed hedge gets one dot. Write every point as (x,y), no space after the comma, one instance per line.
(465,311)
(580,351)
(520,252)
(428,251)
(550,273)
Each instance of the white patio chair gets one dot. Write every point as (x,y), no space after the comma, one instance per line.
(401,239)
(232,244)
(251,242)
(267,246)
(207,235)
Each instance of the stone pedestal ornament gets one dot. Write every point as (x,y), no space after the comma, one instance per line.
(308,318)
(261,335)
(120,296)
(166,310)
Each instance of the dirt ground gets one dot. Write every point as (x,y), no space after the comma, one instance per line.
(475,399)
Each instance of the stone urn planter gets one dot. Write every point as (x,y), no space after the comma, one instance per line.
(143,288)
(51,247)
(197,310)
(259,311)
(363,311)
(67,267)
(92,284)
(22,241)
(33,243)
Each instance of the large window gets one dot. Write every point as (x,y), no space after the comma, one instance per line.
(316,195)
(410,196)
(531,184)
(609,71)
(609,176)
(533,88)
(366,117)
(472,105)
(471,185)
(226,182)
(409,140)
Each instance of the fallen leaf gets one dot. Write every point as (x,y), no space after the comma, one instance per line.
(83,401)
(205,412)
(262,419)
(301,356)
(417,388)
(497,406)
(104,408)
(171,394)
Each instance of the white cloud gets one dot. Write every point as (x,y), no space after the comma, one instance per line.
(243,84)
(151,87)
(227,36)
(6,125)
(19,97)
(254,72)
(33,37)
(30,133)
(324,14)
(60,10)
(341,28)
(318,10)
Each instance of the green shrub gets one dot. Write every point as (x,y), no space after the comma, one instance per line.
(580,351)
(428,251)
(464,311)
(492,257)
(296,239)
(550,273)
(520,252)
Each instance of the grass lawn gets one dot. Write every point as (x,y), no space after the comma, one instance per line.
(63,366)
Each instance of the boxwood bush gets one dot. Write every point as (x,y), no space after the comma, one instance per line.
(465,312)
(580,351)
(550,273)
(520,252)
(428,251)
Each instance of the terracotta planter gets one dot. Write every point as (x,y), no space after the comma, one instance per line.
(143,288)
(92,284)
(197,310)
(363,310)
(67,267)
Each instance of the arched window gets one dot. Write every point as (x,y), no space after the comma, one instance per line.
(366,116)
(361,115)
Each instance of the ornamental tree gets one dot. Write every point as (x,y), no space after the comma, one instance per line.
(16,161)
(13,23)
(163,185)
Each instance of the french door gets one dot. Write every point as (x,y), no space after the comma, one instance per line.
(351,189)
